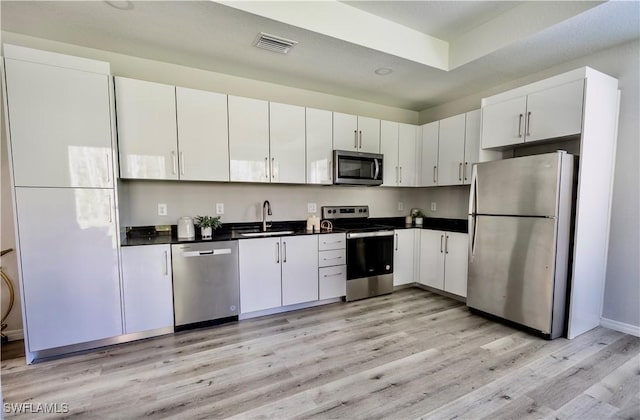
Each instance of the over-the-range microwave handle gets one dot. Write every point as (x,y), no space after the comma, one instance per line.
(375,161)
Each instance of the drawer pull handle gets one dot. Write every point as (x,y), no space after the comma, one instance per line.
(333,275)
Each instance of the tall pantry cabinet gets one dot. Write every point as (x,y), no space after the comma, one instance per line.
(62,159)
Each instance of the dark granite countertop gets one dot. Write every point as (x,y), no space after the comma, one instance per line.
(148,235)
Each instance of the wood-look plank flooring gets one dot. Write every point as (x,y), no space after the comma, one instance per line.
(409,355)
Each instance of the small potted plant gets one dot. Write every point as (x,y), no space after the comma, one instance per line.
(417,216)
(207,225)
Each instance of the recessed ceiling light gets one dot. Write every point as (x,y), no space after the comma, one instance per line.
(120,4)
(383,71)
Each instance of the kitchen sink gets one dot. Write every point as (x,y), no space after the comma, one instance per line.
(269,233)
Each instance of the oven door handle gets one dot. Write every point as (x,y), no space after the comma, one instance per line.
(356,235)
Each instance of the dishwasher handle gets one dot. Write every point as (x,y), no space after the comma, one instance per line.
(204,253)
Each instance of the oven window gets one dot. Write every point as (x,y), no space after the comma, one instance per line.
(369,256)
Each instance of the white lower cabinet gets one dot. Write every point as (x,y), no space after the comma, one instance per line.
(70,275)
(147,288)
(299,269)
(403,257)
(332,272)
(443,261)
(277,271)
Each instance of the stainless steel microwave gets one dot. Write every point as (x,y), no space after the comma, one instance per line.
(357,168)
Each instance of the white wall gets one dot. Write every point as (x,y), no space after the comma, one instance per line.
(622,290)
(157,71)
(243,202)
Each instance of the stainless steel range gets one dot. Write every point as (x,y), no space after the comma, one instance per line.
(369,251)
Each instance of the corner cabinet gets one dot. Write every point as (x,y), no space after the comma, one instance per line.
(548,113)
(277,272)
(147,288)
(443,261)
(449,148)
(398,145)
(429,154)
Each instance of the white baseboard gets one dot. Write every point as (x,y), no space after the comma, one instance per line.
(620,326)
(14,335)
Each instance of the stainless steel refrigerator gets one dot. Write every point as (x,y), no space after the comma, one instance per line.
(520,214)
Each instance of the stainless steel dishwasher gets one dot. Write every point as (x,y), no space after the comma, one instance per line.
(206,286)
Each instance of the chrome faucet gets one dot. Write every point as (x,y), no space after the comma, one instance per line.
(265,206)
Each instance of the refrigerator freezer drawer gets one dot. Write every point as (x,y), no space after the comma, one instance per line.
(512,269)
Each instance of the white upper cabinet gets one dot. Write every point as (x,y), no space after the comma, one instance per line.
(249,140)
(429,154)
(203,135)
(398,145)
(319,129)
(351,132)
(451,150)
(471,143)
(503,123)
(147,133)
(407,157)
(389,132)
(60,125)
(287,143)
(345,131)
(548,113)
(368,135)
(555,112)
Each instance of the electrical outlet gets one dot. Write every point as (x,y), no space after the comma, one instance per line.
(433,206)
(312,208)
(162,209)
(400,206)
(219,208)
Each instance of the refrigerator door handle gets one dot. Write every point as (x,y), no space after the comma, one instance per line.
(473,190)
(472,240)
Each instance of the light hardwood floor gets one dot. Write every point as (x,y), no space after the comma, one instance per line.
(409,355)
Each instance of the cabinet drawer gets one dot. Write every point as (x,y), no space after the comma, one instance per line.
(332,241)
(332,282)
(333,257)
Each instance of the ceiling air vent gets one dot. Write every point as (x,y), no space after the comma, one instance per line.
(274,43)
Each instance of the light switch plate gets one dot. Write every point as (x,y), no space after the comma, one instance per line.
(162,209)
(400,206)
(219,208)
(312,208)
(433,206)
